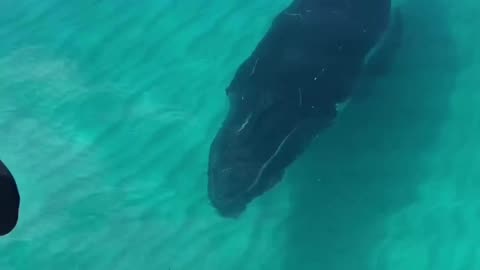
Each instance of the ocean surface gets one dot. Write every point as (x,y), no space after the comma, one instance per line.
(108,108)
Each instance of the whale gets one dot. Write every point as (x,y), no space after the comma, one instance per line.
(292,86)
(9,201)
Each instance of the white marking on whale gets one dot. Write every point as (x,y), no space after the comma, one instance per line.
(269,160)
(245,123)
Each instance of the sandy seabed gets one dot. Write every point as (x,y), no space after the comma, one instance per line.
(107,111)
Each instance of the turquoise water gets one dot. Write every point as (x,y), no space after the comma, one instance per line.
(107,110)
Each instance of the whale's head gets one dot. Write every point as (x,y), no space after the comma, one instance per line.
(253,148)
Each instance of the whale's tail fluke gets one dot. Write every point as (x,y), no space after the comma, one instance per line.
(9,200)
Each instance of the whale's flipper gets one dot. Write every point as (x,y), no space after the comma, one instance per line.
(9,200)
(379,61)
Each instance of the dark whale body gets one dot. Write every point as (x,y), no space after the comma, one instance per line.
(287,91)
(9,201)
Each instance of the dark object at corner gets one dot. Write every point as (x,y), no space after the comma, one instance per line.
(9,201)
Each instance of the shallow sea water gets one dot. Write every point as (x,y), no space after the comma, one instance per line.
(107,110)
